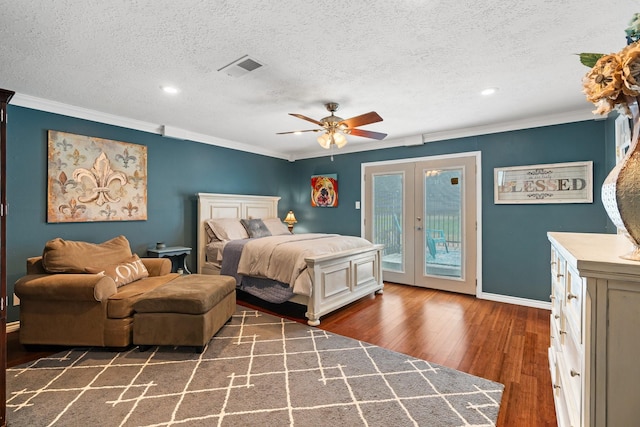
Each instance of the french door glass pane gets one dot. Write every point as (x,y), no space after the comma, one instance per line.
(442,225)
(387,219)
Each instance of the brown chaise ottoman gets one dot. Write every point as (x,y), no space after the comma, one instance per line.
(187,311)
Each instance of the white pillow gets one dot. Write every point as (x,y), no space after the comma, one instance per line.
(228,228)
(275,226)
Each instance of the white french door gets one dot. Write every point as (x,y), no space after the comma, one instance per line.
(425,213)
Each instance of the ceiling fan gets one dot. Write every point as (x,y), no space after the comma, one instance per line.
(335,128)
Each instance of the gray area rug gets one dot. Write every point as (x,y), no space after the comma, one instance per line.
(259,370)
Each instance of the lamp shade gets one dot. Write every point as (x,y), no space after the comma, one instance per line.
(339,139)
(325,141)
(290,218)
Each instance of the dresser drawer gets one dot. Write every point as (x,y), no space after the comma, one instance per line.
(556,338)
(553,368)
(558,268)
(555,261)
(557,284)
(559,398)
(557,296)
(558,274)
(573,303)
(556,310)
(572,355)
(571,391)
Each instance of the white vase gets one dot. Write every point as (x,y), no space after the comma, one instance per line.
(621,189)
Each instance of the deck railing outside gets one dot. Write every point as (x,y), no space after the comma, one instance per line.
(388,229)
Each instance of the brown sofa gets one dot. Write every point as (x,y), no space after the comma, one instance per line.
(70,295)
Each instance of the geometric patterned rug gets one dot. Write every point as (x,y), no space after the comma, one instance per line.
(258,370)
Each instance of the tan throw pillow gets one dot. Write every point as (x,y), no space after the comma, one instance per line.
(228,228)
(123,273)
(67,256)
(275,226)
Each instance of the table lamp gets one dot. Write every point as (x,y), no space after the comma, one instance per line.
(290,219)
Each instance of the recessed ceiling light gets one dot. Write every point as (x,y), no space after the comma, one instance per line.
(170,89)
(297,132)
(489,91)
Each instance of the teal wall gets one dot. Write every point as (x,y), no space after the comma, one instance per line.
(177,170)
(515,249)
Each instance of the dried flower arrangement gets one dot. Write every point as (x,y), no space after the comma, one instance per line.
(614,80)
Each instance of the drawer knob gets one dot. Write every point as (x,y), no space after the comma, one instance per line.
(551,297)
(557,316)
(553,263)
(556,386)
(559,275)
(571,296)
(562,332)
(574,373)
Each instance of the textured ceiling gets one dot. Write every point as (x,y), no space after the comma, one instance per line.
(420,64)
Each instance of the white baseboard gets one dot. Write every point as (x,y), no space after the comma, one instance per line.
(515,300)
(13,326)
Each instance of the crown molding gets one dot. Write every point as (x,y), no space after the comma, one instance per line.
(41,104)
(55,107)
(28,101)
(529,123)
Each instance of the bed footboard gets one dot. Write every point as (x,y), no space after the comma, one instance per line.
(341,278)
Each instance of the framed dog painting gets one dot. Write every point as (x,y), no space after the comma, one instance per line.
(324,191)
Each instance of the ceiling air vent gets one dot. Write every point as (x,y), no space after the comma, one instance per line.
(241,66)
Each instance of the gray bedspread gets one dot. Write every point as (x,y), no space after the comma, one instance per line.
(231,258)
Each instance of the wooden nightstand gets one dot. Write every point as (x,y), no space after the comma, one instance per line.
(177,254)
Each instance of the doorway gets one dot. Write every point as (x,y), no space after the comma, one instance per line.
(425,211)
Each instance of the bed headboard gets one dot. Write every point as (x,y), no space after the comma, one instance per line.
(212,205)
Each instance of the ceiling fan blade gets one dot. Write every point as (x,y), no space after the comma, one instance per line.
(299,131)
(309,119)
(363,119)
(368,134)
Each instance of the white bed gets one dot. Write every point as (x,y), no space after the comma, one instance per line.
(337,279)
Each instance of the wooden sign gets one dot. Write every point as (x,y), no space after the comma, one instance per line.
(551,183)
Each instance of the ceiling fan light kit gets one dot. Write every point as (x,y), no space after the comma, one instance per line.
(335,128)
(327,139)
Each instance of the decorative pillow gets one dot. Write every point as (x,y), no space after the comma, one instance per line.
(275,226)
(255,228)
(228,228)
(67,256)
(211,236)
(124,272)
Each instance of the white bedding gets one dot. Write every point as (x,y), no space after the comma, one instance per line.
(282,258)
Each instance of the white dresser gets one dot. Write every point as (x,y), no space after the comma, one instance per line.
(594,356)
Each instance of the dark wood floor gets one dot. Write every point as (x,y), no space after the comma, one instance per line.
(501,342)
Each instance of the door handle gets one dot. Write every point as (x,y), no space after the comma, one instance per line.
(418,228)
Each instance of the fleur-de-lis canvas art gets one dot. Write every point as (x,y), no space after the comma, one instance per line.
(95,179)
